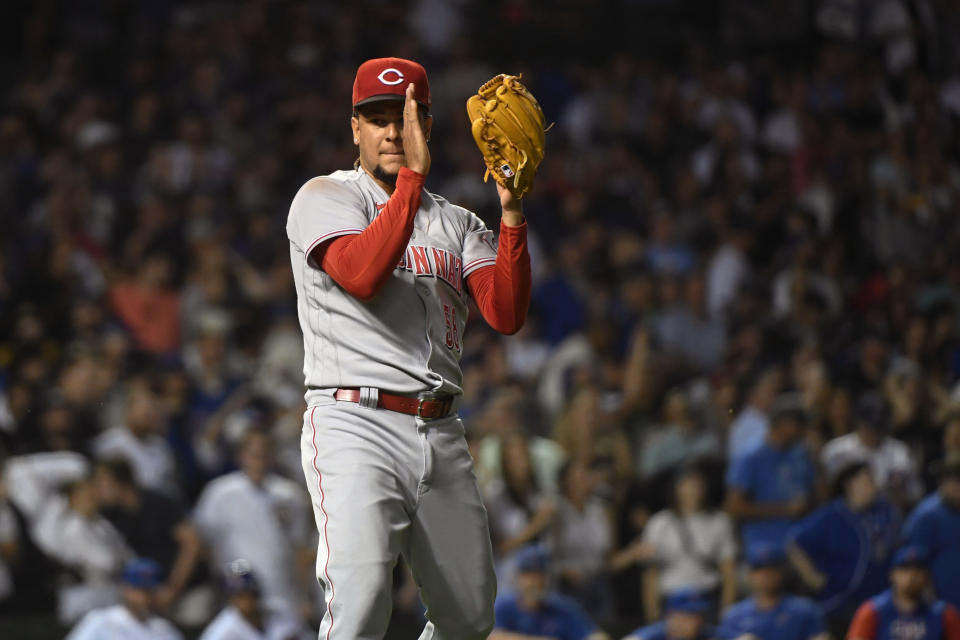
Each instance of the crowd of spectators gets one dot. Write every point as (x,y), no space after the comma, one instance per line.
(744,341)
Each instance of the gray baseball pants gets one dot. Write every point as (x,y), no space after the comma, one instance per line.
(384,484)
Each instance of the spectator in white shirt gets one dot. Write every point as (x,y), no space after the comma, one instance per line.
(68,527)
(690,546)
(135,618)
(141,441)
(259,515)
(581,538)
(894,470)
(244,618)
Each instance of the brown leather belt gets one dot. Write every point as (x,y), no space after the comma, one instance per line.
(423,408)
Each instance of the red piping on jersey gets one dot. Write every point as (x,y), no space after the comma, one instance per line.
(328,236)
(479,261)
(326,539)
(363,263)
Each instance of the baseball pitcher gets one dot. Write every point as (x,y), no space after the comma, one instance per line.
(383,269)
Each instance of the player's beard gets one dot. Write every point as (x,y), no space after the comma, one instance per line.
(387,178)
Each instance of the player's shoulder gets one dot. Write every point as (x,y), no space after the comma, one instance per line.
(283,487)
(561,604)
(740,609)
(450,209)
(337,186)
(222,625)
(655,631)
(163,629)
(227,483)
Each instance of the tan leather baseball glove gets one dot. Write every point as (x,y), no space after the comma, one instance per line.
(507,124)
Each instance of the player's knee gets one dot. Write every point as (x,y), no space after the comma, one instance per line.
(475,624)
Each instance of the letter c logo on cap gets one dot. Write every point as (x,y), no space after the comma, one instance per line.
(395,77)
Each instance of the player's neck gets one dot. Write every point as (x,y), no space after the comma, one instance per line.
(905,603)
(386,182)
(767,601)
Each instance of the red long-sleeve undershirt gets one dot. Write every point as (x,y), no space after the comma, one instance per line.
(362,263)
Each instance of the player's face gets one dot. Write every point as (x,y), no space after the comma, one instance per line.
(950,491)
(247,603)
(139,602)
(531,587)
(378,131)
(766,580)
(684,625)
(909,581)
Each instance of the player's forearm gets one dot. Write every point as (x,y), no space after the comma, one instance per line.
(805,568)
(363,263)
(187,557)
(502,292)
(651,593)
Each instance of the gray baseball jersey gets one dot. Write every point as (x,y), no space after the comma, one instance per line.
(407,338)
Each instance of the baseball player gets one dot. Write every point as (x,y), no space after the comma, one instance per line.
(244,617)
(903,611)
(686,610)
(383,269)
(135,617)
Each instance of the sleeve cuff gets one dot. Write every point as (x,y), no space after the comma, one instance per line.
(409,175)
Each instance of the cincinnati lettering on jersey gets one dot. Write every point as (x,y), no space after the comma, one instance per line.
(431,261)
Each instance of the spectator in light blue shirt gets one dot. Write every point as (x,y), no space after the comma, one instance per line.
(749,428)
(772,486)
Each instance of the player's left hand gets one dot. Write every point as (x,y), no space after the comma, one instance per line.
(511,205)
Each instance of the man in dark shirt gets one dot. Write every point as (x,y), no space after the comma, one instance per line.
(154,525)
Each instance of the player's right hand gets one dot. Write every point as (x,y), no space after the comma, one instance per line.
(415,149)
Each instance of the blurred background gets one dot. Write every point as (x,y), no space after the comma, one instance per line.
(744,239)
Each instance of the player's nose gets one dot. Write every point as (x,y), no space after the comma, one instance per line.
(393,130)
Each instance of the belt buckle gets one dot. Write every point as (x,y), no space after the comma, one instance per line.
(420,402)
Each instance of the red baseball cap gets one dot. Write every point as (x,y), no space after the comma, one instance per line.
(387,79)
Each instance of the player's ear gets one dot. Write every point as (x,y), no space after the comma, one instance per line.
(427,121)
(355,126)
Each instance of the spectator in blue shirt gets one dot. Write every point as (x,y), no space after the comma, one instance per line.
(771,486)
(749,428)
(842,550)
(686,611)
(531,612)
(769,614)
(903,612)
(935,525)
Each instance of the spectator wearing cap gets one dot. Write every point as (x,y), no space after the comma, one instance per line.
(903,610)
(773,485)
(685,620)
(935,524)
(532,612)
(842,551)
(894,470)
(155,526)
(135,618)
(244,618)
(769,614)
